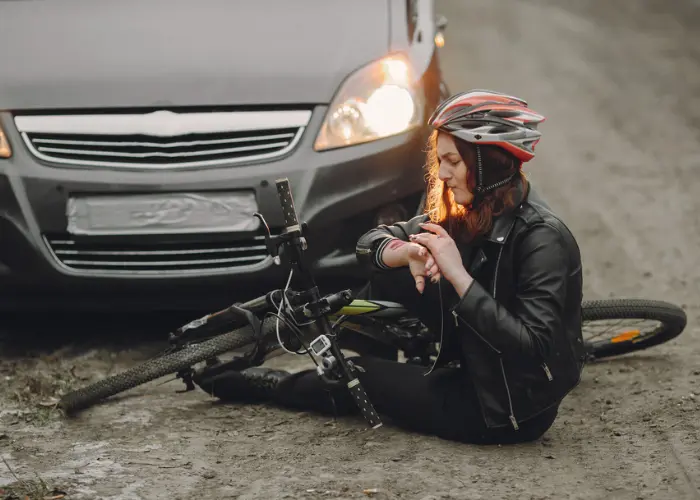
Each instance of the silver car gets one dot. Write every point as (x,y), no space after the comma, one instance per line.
(139,137)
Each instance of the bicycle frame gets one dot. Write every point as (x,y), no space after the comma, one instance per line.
(311,308)
(386,322)
(229,318)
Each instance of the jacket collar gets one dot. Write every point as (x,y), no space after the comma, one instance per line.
(503,224)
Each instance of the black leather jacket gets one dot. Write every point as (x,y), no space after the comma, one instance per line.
(517,329)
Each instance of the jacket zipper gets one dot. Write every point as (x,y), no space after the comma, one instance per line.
(513,421)
(457,318)
(512,418)
(495,276)
(547,372)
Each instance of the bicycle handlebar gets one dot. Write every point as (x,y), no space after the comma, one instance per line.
(215,321)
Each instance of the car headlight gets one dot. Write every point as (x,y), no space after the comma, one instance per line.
(5,150)
(377,101)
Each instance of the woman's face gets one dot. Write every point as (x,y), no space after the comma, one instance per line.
(453,171)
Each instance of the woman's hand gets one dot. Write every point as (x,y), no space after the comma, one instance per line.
(422,265)
(446,255)
(417,258)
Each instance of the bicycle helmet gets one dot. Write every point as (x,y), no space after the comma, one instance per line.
(484,117)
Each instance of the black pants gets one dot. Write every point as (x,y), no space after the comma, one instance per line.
(443,403)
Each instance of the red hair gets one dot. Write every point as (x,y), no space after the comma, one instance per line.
(461,222)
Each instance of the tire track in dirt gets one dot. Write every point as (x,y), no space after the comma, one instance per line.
(682,456)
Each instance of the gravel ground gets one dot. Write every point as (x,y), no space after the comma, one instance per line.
(618,82)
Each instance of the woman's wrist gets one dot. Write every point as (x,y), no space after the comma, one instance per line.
(462,282)
(393,253)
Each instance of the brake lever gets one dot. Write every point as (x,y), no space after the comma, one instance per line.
(270,241)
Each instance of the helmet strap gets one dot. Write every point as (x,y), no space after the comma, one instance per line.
(481,190)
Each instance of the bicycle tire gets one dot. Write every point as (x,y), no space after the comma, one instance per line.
(672,321)
(158,367)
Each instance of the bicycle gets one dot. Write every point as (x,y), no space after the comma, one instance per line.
(322,326)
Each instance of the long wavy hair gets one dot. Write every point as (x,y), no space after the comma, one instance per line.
(461,222)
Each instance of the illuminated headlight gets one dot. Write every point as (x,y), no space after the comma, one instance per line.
(377,101)
(5,150)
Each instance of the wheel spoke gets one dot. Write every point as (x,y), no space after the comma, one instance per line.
(619,330)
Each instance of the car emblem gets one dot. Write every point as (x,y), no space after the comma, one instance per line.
(163,123)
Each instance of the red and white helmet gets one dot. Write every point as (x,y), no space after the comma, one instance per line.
(488,117)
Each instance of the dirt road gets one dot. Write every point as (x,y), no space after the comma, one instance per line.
(618,82)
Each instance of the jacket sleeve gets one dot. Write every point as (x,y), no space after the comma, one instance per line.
(370,245)
(541,269)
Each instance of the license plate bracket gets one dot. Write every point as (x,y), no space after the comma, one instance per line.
(162,213)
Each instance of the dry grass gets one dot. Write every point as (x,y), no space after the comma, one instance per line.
(23,489)
(36,384)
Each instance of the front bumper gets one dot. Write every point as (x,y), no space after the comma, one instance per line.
(337,192)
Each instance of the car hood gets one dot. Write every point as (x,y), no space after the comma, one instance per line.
(77,54)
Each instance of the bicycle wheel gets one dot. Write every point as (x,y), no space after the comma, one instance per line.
(158,367)
(620,326)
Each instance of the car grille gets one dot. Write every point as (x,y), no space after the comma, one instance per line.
(157,257)
(194,149)
(162,140)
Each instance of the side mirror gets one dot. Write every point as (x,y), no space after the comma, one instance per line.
(440,23)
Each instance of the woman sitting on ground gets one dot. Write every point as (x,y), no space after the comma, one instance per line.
(489,268)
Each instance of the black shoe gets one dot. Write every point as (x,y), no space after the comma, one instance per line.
(252,385)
